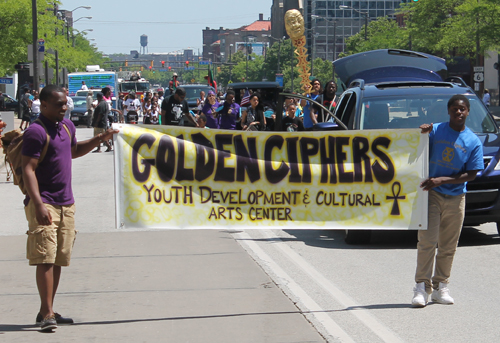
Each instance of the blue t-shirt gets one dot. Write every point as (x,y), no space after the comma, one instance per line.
(452,152)
(308,123)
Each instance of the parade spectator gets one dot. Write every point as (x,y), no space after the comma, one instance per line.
(70,106)
(119,105)
(154,114)
(176,109)
(35,108)
(252,118)
(173,84)
(132,105)
(84,86)
(230,112)
(291,122)
(25,109)
(147,111)
(486,97)
(160,97)
(49,204)
(309,116)
(446,184)
(328,100)
(200,102)
(90,106)
(100,120)
(202,121)
(210,110)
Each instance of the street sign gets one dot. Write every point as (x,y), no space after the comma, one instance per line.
(478,77)
(188,68)
(41,45)
(478,69)
(6,80)
(205,63)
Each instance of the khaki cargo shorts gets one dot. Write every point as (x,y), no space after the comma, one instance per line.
(51,244)
(98,130)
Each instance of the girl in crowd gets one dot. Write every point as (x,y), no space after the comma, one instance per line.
(210,111)
(252,119)
(200,102)
(154,115)
(147,111)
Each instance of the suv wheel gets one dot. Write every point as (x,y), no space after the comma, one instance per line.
(358,236)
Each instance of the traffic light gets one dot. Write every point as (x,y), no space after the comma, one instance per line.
(218,69)
(151,67)
(126,63)
(187,63)
(163,64)
(142,68)
(169,68)
(151,64)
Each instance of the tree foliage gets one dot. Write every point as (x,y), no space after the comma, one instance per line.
(17,33)
(444,28)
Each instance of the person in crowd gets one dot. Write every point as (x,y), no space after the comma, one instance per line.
(210,110)
(291,122)
(25,109)
(119,105)
(486,97)
(455,156)
(176,108)
(200,102)
(160,97)
(71,105)
(230,112)
(154,114)
(147,111)
(328,100)
(90,106)
(202,121)
(173,84)
(100,120)
(147,97)
(309,115)
(84,87)
(252,118)
(49,203)
(132,105)
(35,108)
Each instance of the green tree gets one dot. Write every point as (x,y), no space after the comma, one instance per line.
(16,28)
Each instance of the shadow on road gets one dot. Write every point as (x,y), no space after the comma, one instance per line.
(382,239)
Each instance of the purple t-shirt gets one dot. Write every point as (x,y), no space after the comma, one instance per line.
(209,111)
(229,115)
(54,172)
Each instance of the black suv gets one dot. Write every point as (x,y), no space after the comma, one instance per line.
(397,89)
(193,93)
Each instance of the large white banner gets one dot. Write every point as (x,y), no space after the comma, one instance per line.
(179,177)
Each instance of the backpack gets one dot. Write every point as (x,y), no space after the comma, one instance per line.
(12,143)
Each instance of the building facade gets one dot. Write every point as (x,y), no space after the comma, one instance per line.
(328,25)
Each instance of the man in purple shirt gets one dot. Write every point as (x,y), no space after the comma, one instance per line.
(49,204)
(229,113)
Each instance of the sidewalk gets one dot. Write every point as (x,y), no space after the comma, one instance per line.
(160,286)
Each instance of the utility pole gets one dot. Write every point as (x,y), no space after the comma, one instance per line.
(35,45)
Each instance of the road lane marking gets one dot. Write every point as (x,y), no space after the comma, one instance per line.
(332,328)
(363,315)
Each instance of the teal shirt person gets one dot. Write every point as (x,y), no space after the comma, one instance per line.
(452,152)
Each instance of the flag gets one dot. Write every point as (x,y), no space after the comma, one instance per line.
(246,98)
(211,81)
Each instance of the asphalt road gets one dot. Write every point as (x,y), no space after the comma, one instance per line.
(349,293)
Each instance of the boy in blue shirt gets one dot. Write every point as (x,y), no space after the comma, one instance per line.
(455,157)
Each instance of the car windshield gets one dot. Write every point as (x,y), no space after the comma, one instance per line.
(80,102)
(193,93)
(412,111)
(142,86)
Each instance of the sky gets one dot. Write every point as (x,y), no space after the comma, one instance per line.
(171,25)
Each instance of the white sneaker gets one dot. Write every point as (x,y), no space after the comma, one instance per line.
(442,295)
(420,296)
